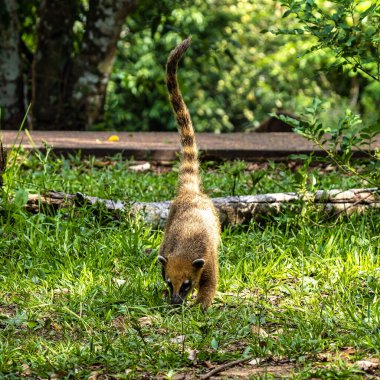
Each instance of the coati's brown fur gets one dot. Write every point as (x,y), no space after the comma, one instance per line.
(189,250)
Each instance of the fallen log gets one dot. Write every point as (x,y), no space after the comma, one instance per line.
(232,210)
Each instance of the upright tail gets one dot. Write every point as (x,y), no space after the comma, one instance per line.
(189,178)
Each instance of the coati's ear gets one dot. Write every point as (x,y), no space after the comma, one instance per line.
(198,263)
(163,260)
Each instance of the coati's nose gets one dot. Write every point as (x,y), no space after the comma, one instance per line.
(176,300)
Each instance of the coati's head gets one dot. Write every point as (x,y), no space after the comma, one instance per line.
(181,275)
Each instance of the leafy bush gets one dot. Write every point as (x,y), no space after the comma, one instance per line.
(350,28)
(349,31)
(341,141)
(232,77)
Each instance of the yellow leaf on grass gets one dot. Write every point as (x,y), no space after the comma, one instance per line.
(257,330)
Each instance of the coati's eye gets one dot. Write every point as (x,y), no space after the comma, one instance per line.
(169,284)
(185,286)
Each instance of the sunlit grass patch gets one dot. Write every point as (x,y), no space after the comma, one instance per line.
(81,293)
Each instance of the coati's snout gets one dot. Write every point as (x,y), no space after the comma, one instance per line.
(176,301)
(178,296)
(181,277)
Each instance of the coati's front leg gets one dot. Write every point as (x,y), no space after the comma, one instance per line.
(207,288)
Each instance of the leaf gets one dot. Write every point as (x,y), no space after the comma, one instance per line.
(140,167)
(95,375)
(367,11)
(21,198)
(347,351)
(113,138)
(299,31)
(17,320)
(367,365)
(178,339)
(3,158)
(299,157)
(256,361)
(147,321)
(192,355)
(214,344)
(120,281)
(328,28)
(257,330)
(26,370)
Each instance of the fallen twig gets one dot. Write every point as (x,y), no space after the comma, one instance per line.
(224,366)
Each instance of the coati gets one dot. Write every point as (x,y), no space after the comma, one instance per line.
(188,253)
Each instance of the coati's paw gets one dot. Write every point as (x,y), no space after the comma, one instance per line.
(204,303)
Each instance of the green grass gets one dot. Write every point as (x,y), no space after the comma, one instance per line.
(82,294)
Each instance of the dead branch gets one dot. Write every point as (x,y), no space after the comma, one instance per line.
(223,367)
(232,210)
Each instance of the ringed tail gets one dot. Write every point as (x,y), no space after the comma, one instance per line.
(189,178)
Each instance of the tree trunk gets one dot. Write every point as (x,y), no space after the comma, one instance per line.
(231,210)
(51,62)
(11,83)
(69,91)
(93,65)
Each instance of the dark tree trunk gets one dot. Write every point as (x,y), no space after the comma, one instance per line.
(93,65)
(69,92)
(11,84)
(51,61)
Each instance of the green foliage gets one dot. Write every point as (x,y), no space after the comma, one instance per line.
(350,28)
(27,11)
(342,141)
(349,32)
(232,77)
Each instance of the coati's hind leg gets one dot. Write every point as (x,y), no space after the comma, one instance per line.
(207,289)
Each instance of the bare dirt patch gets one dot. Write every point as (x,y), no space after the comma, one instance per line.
(7,311)
(278,370)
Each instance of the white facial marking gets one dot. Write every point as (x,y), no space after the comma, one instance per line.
(168,281)
(186,282)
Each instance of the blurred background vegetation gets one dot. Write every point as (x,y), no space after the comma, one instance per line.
(236,72)
(248,59)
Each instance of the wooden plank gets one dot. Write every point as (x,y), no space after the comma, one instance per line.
(164,146)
